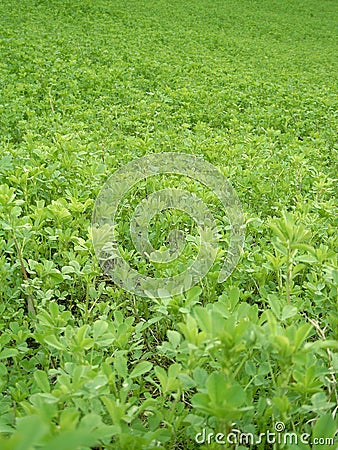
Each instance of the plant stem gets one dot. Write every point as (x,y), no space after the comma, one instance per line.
(30,300)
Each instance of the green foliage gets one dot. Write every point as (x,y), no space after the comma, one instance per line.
(86,87)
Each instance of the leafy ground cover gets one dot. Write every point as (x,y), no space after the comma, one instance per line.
(86,87)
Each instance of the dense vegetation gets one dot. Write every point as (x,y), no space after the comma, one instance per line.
(86,87)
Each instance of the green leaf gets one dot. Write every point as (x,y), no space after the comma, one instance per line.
(53,342)
(234,296)
(8,353)
(301,334)
(5,163)
(288,311)
(250,368)
(120,365)
(30,430)
(200,375)
(162,376)
(220,391)
(203,319)
(329,343)
(325,427)
(193,294)
(69,418)
(187,382)
(55,277)
(99,328)
(174,338)
(307,259)
(42,380)
(71,440)
(141,368)
(274,303)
